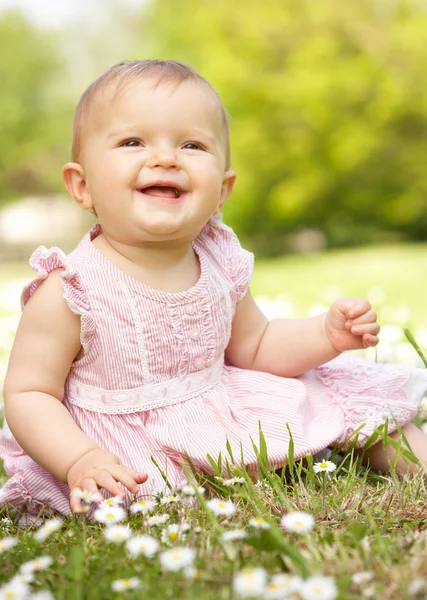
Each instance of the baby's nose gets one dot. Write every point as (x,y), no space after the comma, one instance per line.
(162,157)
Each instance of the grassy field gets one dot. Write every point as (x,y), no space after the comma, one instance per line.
(368,538)
(391,276)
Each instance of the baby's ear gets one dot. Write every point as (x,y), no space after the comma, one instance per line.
(227,187)
(75,182)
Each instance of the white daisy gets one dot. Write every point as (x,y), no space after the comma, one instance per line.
(5,523)
(298,522)
(233,481)
(250,582)
(362,577)
(83,509)
(156,520)
(281,586)
(177,558)
(234,535)
(14,591)
(191,573)
(221,507)
(142,544)
(21,578)
(190,490)
(121,585)
(6,543)
(318,588)
(109,515)
(143,506)
(170,499)
(423,408)
(87,497)
(326,466)
(259,523)
(117,533)
(42,595)
(114,501)
(416,586)
(47,529)
(37,564)
(261,484)
(173,534)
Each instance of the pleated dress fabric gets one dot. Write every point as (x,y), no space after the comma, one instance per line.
(153,383)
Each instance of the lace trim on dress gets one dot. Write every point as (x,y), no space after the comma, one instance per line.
(180,338)
(239,263)
(367,396)
(139,331)
(147,397)
(44,261)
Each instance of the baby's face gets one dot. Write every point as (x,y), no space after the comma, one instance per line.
(155,161)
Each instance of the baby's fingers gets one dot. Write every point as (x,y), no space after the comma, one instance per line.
(75,500)
(137,476)
(368,329)
(370,316)
(358,307)
(108,481)
(129,478)
(369,341)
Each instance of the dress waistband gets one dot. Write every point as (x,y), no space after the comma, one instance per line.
(147,397)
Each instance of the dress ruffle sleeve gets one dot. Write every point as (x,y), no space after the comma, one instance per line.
(44,261)
(237,262)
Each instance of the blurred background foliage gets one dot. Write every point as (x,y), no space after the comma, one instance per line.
(327,104)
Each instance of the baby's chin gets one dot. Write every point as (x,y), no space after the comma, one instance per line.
(162,229)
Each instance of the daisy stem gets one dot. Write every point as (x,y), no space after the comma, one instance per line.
(323,492)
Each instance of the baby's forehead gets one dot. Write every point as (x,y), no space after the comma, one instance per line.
(125,100)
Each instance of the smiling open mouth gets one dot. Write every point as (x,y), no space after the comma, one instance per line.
(162,191)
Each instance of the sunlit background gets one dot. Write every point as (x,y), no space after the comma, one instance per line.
(328,117)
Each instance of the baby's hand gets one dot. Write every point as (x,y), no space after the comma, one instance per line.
(100,468)
(351,324)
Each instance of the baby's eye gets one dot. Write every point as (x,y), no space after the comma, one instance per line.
(193,146)
(132,143)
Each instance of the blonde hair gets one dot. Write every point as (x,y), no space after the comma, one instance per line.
(125,73)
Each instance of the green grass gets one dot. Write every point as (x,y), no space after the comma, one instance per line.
(400,271)
(364,521)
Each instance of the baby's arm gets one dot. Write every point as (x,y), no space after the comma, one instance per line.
(46,343)
(290,347)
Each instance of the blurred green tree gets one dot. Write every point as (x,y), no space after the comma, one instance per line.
(328,108)
(32,125)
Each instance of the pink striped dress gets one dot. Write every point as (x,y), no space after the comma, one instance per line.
(153,382)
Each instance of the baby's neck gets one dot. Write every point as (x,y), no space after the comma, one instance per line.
(169,268)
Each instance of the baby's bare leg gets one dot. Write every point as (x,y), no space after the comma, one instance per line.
(377,459)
